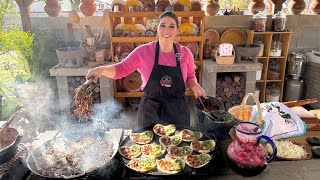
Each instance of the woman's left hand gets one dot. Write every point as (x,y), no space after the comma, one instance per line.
(199,92)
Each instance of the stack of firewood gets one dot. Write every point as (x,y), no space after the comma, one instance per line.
(231,88)
(76,81)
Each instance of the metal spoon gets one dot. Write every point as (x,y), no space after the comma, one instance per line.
(204,108)
(204,111)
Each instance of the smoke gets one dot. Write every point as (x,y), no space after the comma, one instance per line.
(40,108)
(104,114)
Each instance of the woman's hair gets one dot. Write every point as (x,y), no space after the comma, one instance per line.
(169,14)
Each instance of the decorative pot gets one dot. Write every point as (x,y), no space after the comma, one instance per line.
(212,8)
(296,6)
(88,8)
(52,8)
(315,7)
(256,5)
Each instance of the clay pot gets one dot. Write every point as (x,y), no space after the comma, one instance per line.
(52,8)
(212,8)
(88,8)
(315,7)
(132,82)
(296,6)
(256,5)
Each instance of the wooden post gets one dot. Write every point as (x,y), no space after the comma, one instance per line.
(277,5)
(24,6)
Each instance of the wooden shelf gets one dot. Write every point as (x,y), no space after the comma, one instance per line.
(277,57)
(196,17)
(268,32)
(149,39)
(284,37)
(155,14)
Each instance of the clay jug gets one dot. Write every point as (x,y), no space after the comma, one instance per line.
(315,7)
(212,7)
(256,5)
(52,8)
(88,8)
(296,6)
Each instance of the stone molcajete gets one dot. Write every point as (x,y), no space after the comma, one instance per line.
(247,52)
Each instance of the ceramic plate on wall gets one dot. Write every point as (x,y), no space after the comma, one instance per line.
(233,36)
(213,36)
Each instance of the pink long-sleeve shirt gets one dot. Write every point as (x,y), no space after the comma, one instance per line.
(142,59)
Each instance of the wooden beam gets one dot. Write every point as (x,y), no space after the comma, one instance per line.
(24,7)
(277,5)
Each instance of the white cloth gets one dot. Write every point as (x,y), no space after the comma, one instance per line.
(279,121)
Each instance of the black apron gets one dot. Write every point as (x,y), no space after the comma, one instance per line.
(163,100)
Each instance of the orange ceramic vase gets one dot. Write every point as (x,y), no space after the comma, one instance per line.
(52,8)
(296,6)
(256,5)
(212,8)
(315,7)
(88,8)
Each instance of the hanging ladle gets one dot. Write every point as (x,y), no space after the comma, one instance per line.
(205,110)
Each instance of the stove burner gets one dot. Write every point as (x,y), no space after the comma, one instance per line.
(22,153)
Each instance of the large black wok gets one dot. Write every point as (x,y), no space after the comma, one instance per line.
(187,170)
(73,155)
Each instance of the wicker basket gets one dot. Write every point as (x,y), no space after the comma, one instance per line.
(243,111)
(224,59)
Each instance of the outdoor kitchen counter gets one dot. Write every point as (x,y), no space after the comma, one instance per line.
(291,170)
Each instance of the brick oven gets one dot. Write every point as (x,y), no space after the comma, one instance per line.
(245,69)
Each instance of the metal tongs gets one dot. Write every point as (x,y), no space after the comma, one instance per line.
(85,85)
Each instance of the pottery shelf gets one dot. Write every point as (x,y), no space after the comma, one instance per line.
(284,38)
(115,18)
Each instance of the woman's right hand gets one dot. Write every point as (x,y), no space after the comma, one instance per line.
(108,71)
(96,73)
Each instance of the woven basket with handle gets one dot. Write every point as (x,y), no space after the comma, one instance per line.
(243,111)
(224,59)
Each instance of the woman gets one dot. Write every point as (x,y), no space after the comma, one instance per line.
(166,69)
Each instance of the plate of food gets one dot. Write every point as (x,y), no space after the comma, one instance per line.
(173,166)
(142,137)
(162,130)
(174,140)
(165,150)
(142,164)
(179,152)
(290,150)
(198,161)
(130,152)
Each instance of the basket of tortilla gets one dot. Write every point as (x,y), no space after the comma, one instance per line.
(242,112)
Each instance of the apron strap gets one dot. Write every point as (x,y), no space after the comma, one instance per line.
(177,54)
